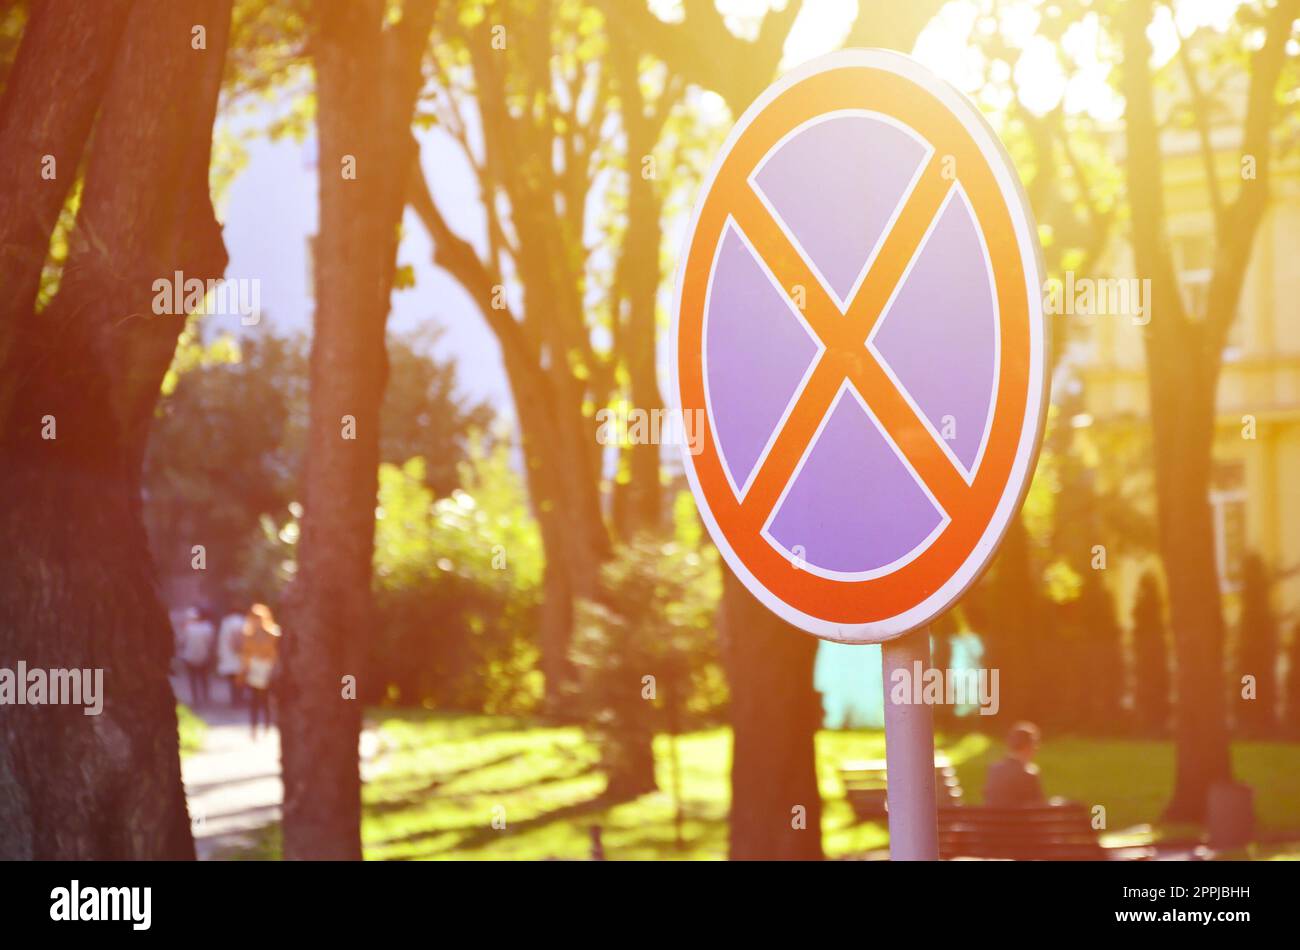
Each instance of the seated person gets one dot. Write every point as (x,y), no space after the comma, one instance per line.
(1012,781)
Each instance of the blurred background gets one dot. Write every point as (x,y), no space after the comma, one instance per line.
(547,657)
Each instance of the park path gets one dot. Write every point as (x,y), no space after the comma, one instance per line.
(232,784)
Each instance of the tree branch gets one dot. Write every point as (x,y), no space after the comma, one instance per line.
(1145,178)
(1201,115)
(457,257)
(1232,252)
(702,50)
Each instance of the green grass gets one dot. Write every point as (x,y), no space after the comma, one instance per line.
(192,729)
(443,778)
(1134,778)
(440,779)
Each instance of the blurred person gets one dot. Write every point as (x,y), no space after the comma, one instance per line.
(210,615)
(196,652)
(230,653)
(1013,781)
(178,617)
(260,654)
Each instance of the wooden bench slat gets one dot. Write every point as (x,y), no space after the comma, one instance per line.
(1039,832)
(866,785)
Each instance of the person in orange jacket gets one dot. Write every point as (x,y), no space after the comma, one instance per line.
(260,653)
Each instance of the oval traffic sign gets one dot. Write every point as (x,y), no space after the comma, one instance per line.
(858,321)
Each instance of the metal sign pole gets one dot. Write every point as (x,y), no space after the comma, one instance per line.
(909,752)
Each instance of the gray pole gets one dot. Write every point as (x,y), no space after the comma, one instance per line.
(909,753)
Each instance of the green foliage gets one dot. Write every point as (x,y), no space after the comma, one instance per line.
(645,652)
(227,446)
(267,49)
(269,558)
(1102,648)
(1291,720)
(1257,648)
(267,87)
(191,728)
(1045,617)
(192,353)
(1064,584)
(52,271)
(223,453)
(457,582)
(1150,656)
(1009,611)
(423,413)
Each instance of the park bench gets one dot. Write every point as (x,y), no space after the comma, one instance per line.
(1061,832)
(865,785)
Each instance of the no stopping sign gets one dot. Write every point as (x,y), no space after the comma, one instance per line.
(858,319)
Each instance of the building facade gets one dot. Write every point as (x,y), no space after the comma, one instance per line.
(1255,494)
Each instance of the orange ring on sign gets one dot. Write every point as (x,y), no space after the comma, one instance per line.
(886,606)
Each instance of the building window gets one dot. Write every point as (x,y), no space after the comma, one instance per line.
(1228,508)
(1194,259)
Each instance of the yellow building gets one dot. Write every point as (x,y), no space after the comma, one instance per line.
(1256,490)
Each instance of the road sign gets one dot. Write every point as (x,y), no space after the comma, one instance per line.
(858,321)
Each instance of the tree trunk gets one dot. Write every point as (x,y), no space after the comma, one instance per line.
(367,79)
(1150,658)
(1007,611)
(1196,617)
(1184,356)
(566,504)
(1257,653)
(776,807)
(559,449)
(51,101)
(79,590)
(1291,718)
(1187,546)
(639,276)
(555,623)
(1182,376)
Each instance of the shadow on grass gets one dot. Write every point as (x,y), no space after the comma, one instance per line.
(452,726)
(481,836)
(422,793)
